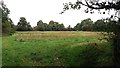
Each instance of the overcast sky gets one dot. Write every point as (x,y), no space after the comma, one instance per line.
(46,10)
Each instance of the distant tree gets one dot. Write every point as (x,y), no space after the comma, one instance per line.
(78,27)
(100,25)
(69,28)
(35,28)
(55,26)
(87,25)
(40,26)
(29,28)
(7,25)
(51,25)
(23,25)
(46,27)
(61,27)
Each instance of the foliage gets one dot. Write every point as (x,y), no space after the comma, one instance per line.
(7,25)
(100,25)
(52,26)
(99,5)
(69,28)
(23,25)
(92,4)
(78,27)
(40,26)
(87,25)
(84,25)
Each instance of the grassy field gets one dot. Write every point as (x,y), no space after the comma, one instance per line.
(55,49)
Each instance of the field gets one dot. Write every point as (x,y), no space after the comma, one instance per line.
(55,48)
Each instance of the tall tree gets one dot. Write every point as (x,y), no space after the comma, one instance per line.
(46,27)
(77,27)
(99,5)
(55,26)
(23,25)
(40,26)
(87,25)
(7,24)
(100,25)
(61,27)
(51,25)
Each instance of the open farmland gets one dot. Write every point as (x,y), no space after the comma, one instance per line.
(56,48)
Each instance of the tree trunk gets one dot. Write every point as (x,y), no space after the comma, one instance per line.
(116,46)
(116,51)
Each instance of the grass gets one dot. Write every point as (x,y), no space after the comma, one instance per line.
(36,35)
(55,49)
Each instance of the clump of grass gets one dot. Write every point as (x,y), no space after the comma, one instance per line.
(36,56)
(21,40)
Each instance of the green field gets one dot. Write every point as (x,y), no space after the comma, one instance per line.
(56,49)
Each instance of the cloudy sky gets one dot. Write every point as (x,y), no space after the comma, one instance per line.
(46,10)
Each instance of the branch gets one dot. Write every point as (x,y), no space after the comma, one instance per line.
(102,5)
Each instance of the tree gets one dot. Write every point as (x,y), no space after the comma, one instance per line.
(77,27)
(99,5)
(55,26)
(7,25)
(46,27)
(40,26)
(23,25)
(29,28)
(100,25)
(87,25)
(0,21)
(69,28)
(51,25)
(61,27)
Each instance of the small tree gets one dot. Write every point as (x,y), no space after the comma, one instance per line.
(69,28)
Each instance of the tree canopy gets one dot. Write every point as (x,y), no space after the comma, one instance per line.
(7,24)
(23,25)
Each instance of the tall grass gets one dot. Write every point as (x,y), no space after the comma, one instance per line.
(56,34)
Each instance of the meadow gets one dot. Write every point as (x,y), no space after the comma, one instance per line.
(56,48)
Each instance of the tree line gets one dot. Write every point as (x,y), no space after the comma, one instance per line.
(85,25)
(8,26)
